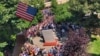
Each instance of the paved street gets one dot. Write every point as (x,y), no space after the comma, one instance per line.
(37,42)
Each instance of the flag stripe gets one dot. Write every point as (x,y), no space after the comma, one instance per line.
(24,16)
(22,11)
(20,3)
(22,7)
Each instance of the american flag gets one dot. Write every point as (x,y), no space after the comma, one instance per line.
(25,11)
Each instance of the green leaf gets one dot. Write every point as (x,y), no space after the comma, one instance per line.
(3,44)
(1,54)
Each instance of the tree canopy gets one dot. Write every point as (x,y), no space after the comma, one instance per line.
(76,44)
(61,11)
(10,24)
(78,11)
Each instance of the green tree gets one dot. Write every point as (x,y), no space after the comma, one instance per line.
(80,8)
(60,11)
(1,54)
(76,45)
(37,3)
(10,24)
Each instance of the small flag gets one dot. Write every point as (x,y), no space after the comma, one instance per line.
(25,11)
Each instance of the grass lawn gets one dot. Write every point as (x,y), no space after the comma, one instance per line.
(94,46)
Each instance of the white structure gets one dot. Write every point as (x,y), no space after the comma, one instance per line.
(47,3)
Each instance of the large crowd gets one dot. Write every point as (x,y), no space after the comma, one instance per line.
(63,30)
(33,50)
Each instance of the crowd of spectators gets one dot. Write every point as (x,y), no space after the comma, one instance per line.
(73,32)
(33,50)
(64,29)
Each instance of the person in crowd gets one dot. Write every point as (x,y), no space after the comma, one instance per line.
(31,40)
(21,54)
(44,51)
(51,51)
(62,32)
(40,52)
(36,49)
(50,54)
(54,51)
